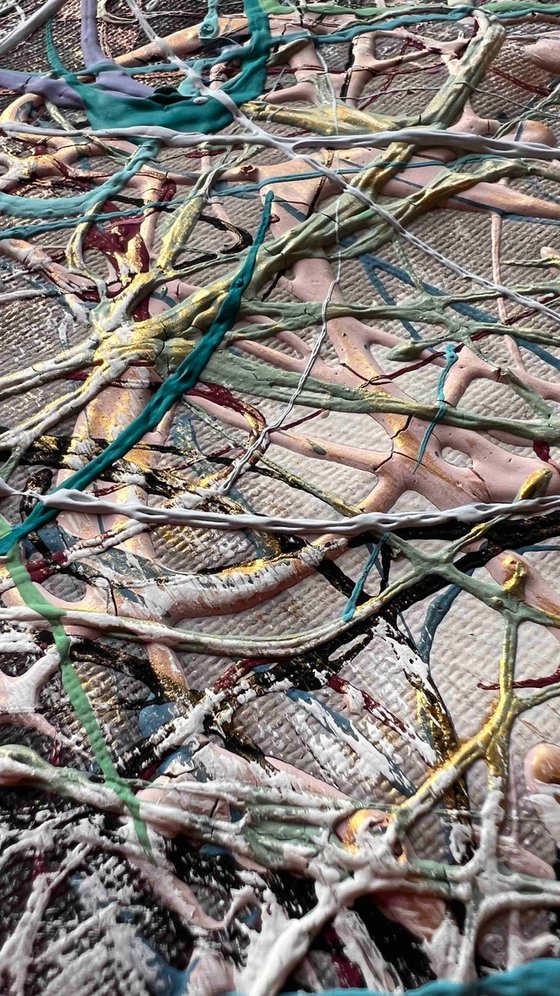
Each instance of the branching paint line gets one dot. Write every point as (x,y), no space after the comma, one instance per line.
(229,105)
(540,978)
(185,377)
(60,207)
(350,607)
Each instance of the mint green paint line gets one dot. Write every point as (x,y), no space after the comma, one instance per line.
(452,358)
(186,376)
(350,607)
(519,8)
(168,108)
(61,207)
(34,599)
(82,706)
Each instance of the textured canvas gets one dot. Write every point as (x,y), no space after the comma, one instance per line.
(279,497)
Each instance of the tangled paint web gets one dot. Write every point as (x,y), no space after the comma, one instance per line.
(279,608)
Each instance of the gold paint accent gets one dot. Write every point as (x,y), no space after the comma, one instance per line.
(515,583)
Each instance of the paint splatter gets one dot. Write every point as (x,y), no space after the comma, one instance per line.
(280,497)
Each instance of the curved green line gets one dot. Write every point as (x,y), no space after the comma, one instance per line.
(186,376)
(33,597)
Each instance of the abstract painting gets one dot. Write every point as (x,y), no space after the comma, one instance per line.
(279,497)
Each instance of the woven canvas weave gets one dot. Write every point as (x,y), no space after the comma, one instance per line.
(279,427)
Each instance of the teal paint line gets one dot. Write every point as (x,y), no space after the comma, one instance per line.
(347,171)
(376,281)
(437,611)
(350,607)
(537,978)
(339,37)
(539,547)
(391,164)
(52,55)
(247,188)
(169,108)
(186,376)
(28,231)
(210,25)
(403,20)
(451,359)
(34,598)
(52,207)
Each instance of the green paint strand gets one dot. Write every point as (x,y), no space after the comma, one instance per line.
(185,377)
(33,597)
(168,107)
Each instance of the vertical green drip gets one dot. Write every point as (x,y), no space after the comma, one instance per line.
(34,599)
